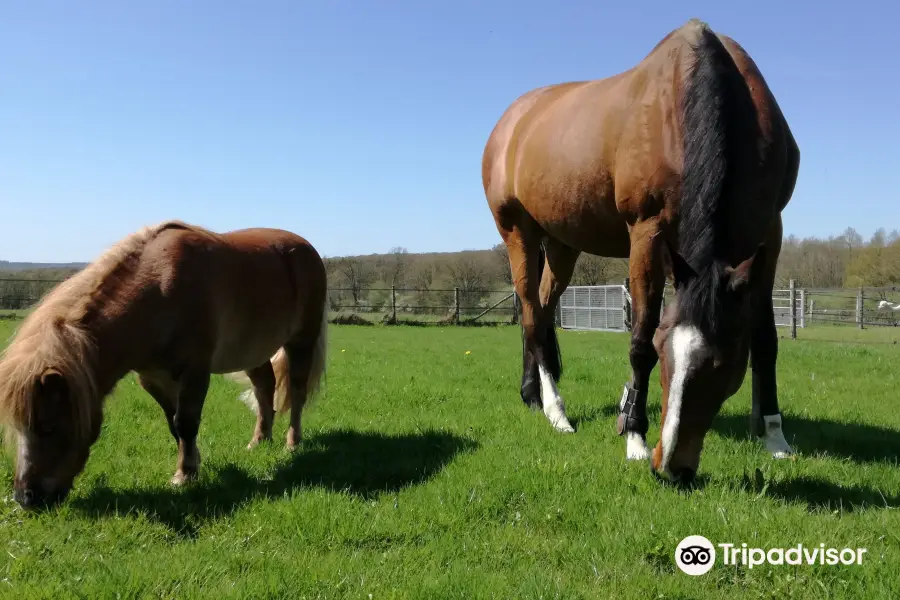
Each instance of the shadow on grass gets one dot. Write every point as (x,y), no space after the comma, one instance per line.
(595,413)
(859,442)
(854,441)
(364,465)
(821,495)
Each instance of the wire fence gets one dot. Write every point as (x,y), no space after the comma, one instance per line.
(815,310)
(408,305)
(346,305)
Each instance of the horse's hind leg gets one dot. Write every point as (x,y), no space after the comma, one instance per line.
(539,350)
(647,282)
(263,380)
(558,268)
(300,361)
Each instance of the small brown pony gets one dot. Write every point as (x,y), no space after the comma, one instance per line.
(685,162)
(175,303)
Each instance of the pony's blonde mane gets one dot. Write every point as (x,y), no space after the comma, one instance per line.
(55,336)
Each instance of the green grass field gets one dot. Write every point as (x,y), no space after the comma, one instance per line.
(424,476)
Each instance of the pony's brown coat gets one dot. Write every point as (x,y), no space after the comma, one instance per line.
(174,302)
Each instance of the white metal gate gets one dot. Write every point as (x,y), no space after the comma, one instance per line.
(597,307)
(781,306)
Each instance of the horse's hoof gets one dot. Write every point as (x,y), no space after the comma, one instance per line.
(635,447)
(562,425)
(781,455)
(773,439)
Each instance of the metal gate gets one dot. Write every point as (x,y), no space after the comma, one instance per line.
(596,307)
(781,306)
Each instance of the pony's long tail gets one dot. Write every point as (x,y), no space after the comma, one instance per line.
(281,365)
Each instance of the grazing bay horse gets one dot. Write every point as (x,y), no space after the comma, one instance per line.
(682,163)
(174,303)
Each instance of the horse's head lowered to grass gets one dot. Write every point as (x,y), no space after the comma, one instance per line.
(703,343)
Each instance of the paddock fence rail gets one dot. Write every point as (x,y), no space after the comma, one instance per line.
(603,307)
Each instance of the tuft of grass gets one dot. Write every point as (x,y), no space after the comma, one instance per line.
(422,475)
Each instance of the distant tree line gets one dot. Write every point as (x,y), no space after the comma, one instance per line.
(429,279)
(844,261)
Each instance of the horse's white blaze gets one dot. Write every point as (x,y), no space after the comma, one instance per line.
(774,439)
(686,340)
(553,403)
(636,446)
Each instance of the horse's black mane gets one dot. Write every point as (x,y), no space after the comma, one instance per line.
(710,110)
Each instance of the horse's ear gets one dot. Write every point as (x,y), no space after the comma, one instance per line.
(681,270)
(748,272)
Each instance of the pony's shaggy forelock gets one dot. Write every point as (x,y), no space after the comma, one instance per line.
(54,336)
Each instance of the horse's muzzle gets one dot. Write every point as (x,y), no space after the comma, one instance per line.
(35,499)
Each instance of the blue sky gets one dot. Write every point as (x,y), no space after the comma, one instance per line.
(360,125)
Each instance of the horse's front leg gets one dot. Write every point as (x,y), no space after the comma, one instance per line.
(647,279)
(766,415)
(192,394)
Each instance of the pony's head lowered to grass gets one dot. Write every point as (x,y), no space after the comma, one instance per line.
(50,407)
(51,401)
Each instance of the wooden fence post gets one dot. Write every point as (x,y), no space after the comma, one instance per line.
(860,313)
(456,300)
(802,308)
(393,304)
(793,301)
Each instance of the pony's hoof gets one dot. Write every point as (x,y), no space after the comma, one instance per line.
(293,439)
(256,442)
(182,478)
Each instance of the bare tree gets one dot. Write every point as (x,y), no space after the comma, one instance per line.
(422,276)
(467,273)
(852,240)
(470,274)
(590,270)
(501,258)
(357,274)
(396,266)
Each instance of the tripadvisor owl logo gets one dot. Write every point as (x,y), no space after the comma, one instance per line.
(695,555)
